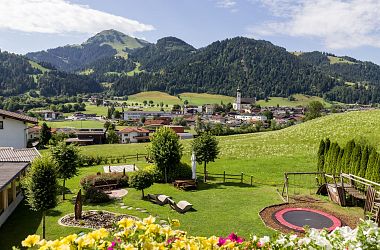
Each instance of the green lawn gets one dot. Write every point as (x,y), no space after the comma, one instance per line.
(301,100)
(75,124)
(204,98)
(221,208)
(154,96)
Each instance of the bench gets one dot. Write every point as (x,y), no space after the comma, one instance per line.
(107,187)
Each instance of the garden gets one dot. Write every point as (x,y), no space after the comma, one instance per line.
(219,208)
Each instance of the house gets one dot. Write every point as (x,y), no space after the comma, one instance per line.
(251,118)
(33,133)
(177,129)
(49,114)
(243,103)
(13,129)
(98,136)
(134,135)
(130,115)
(13,165)
(160,122)
(209,109)
(190,109)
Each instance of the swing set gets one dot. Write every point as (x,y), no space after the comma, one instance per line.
(301,183)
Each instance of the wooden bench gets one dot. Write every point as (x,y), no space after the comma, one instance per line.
(106,187)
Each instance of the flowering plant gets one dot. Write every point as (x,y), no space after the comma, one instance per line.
(132,235)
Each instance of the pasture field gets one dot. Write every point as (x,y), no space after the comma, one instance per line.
(220,208)
(301,100)
(75,124)
(204,98)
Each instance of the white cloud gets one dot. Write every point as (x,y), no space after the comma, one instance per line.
(60,17)
(339,23)
(227,4)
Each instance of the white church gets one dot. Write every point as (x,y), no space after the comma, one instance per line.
(242,104)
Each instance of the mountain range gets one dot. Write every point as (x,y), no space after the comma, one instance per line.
(122,65)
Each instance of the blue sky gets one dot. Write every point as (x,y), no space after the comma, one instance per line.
(343,27)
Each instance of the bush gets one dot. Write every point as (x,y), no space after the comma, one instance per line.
(141,180)
(104,179)
(180,171)
(96,195)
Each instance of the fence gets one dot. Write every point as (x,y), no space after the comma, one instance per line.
(97,160)
(240,177)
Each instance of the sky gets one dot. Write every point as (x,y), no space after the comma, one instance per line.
(342,27)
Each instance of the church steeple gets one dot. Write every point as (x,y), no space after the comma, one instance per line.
(238,99)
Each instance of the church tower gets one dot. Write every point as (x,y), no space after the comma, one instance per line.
(238,99)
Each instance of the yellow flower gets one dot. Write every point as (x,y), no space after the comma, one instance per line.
(70,239)
(129,247)
(30,241)
(153,228)
(126,222)
(140,225)
(149,220)
(175,223)
(179,244)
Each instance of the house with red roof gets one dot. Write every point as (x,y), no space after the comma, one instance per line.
(134,135)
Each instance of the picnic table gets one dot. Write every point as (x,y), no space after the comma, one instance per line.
(185,184)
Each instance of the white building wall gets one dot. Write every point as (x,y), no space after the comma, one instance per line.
(13,133)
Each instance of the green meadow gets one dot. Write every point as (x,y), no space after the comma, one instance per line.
(220,208)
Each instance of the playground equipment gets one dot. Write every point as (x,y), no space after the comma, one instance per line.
(341,189)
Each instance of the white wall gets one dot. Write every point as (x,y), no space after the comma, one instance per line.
(13,133)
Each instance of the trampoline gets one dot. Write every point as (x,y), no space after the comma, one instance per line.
(298,218)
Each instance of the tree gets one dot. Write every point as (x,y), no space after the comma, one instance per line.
(364,161)
(371,166)
(141,180)
(67,158)
(45,135)
(186,102)
(117,114)
(268,114)
(165,149)
(112,137)
(355,159)
(347,156)
(145,102)
(206,149)
(321,156)
(314,109)
(41,187)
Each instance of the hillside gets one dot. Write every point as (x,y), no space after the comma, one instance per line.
(19,75)
(365,76)
(108,43)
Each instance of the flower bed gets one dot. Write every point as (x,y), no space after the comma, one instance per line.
(93,219)
(132,234)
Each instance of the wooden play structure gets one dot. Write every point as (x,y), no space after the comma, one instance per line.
(342,189)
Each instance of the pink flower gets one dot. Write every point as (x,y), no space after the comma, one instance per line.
(222,241)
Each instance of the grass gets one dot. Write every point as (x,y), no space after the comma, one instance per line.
(221,208)
(38,66)
(204,98)
(301,100)
(335,59)
(75,124)
(154,96)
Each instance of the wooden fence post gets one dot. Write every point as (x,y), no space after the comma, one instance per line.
(206,177)
(241,180)
(251,180)
(224,176)
(286,187)
(137,156)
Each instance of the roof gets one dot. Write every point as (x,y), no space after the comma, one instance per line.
(9,171)
(18,155)
(17,116)
(248,100)
(35,129)
(134,129)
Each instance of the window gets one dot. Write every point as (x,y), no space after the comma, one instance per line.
(1,125)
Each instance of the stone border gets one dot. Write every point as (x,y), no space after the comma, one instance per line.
(61,224)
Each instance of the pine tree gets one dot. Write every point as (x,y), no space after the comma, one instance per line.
(376,170)
(321,156)
(347,156)
(364,161)
(45,135)
(371,165)
(355,159)
(338,168)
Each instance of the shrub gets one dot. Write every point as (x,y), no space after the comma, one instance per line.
(96,195)
(140,180)
(180,171)
(104,179)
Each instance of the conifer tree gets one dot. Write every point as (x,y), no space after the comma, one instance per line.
(376,170)
(355,159)
(338,168)
(371,166)
(347,156)
(364,161)
(321,156)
